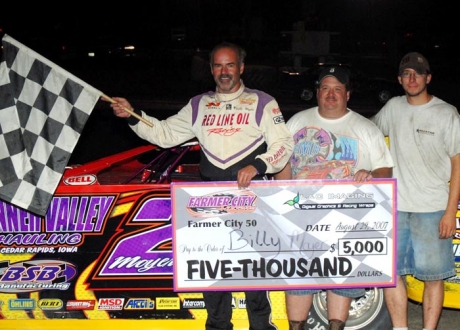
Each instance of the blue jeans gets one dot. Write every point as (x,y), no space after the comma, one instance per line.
(421,252)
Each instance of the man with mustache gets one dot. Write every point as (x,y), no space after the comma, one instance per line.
(338,143)
(242,135)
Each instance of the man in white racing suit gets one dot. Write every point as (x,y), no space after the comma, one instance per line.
(242,135)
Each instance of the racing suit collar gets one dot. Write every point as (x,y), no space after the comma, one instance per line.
(221,97)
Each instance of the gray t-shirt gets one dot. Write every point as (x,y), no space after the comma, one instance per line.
(422,140)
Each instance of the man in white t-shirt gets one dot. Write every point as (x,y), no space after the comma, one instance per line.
(332,142)
(424,136)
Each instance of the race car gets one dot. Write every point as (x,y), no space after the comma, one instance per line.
(104,251)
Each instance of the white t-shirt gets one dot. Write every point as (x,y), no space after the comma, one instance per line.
(422,139)
(335,148)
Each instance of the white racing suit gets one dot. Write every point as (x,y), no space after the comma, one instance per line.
(234,130)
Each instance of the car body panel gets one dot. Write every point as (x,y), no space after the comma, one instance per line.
(104,251)
(107,237)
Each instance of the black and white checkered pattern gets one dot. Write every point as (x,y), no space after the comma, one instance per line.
(43,110)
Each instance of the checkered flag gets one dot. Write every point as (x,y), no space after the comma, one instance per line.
(43,110)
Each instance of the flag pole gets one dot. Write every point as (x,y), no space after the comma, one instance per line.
(127,110)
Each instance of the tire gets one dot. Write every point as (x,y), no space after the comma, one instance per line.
(307,94)
(384,96)
(368,312)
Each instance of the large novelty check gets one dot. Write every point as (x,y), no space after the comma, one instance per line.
(279,235)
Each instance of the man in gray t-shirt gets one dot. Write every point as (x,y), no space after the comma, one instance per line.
(424,137)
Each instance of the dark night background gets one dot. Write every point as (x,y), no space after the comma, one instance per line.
(384,28)
(169,36)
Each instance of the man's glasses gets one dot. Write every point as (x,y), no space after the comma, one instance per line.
(407,74)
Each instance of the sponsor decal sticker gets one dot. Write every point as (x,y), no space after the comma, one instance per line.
(232,201)
(50,304)
(140,304)
(36,275)
(168,303)
(278,119)
(110,304)
(23,304)
(80,305)
(213,105)
(81,180)
(193,304)
(247,101)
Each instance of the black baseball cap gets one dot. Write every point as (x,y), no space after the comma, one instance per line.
(338,72)
(415,61)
